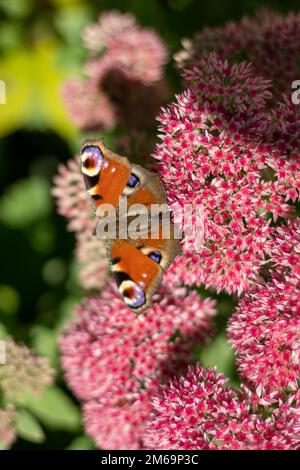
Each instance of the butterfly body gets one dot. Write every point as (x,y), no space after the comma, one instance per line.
(139,257)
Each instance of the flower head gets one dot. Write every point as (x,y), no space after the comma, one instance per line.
(118,426)
(114,359)
(200,411)
(215,156)
(71,197)
(23,372)
(265,332)
(92,258)
(285,251)
(123,75)
(137,54)
(88,105)
(110,23)
(270,41)
(284,130)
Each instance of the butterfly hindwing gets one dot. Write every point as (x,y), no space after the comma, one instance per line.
(146,190)
(137,275)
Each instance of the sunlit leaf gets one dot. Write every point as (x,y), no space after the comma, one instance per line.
(33,78)
(16,8)
(81,443)
(29,428)
(44,342)
(3,332)
(70,21)
(55,409)
(3,446)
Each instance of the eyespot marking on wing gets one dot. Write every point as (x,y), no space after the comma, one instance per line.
(155,256)
(133,294)
(91,158)
(132,184)
(133,181)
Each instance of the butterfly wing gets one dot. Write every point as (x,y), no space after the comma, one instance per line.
(138,265)
(105,174)
(144,187)
(162,251)
(159,240)
(137,275)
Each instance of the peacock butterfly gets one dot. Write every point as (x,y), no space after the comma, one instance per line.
(137,260)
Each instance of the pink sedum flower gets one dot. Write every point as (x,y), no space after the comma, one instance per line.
(88,105)
(118,426)
(137,54)
(270,41)
(124,76)
(97,35)
(284,129)
(285,251)
(215,156)
(71,198)
(92,258)
(200,412)
(234,88)
(265,329)
(114,359)
(265,332)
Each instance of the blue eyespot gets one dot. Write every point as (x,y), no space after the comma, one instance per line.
(91,158)
(155,256)
(133,181)
(139,297)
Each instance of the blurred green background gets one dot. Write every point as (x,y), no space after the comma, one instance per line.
(40,46)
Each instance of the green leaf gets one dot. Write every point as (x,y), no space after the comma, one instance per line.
(55,410)
(3,331)
(34,99)
(25,202)
(44,342)
(9,300)
(70,22)
(3,446)
(16,8)
(219,354)
(28,427)
(81,443)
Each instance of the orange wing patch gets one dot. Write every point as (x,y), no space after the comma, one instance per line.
(136,274)
(112,181)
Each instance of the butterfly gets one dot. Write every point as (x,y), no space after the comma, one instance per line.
(137,262)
